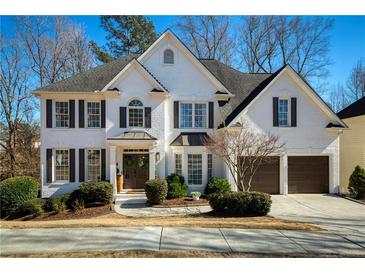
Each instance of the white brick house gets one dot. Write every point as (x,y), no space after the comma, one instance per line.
(146,116)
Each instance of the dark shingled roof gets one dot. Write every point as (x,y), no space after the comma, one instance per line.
(355,109)
(91,80)
(190,139)
(134,135)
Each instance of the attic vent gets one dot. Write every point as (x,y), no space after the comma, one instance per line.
(168,56)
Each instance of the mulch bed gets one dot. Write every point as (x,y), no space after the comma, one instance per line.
(184,201)
(88,212)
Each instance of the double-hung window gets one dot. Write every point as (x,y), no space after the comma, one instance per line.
(283,112)
(193,115)
(178,164)
(135,114)
(62,165)
(93,114)
(62,113)
(93,165)
(195,174)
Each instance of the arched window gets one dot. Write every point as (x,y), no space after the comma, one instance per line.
(168,56)
(135,113)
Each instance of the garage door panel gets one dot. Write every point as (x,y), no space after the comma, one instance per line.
(266,178)
(308,174)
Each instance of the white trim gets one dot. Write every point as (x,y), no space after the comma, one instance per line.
(134,63)
(187,52)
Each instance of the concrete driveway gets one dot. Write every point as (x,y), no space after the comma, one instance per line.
(328,211)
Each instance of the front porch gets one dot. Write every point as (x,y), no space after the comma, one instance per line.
(133,156)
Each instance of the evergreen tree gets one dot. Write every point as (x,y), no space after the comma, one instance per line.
(126,35)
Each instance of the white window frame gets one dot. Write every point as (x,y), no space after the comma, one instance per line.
(87,113)
(288,111)
(55,165)
(180,156)
(201,169)
(193,114)
(55,113)
(133,107)
(87,164)
(173,57)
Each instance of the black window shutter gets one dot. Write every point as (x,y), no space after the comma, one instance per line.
(102,113)
(103,164)
(211,114)
(176,114)
(122,117)
(72,165)
(81,113)
(81,165)
(293,106)
(72,113)
(275,114)
(49,113)
(147,117)
(49,165)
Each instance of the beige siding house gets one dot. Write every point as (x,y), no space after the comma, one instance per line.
(352,141)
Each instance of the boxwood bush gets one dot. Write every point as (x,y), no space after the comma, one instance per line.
(15,191)
(241,203)
(217,185)
(58,203)
(357,183)
(96,192)
(156,191)
(31,207)
(176,186)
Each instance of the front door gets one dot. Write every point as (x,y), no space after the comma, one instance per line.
(135,170)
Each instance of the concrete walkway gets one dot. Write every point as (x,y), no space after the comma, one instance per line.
(22,241)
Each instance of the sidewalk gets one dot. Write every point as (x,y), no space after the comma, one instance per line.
(52,240)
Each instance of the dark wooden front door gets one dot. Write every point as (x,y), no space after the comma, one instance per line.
(308,174)
(135,170)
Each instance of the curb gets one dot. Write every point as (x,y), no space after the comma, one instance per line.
(354,200)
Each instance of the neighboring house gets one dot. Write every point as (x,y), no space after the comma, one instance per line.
(148,115)
(352,141)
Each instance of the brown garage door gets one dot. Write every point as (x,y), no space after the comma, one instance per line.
(308,174)
(266,178)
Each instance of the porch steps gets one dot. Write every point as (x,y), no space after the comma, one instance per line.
(130,199)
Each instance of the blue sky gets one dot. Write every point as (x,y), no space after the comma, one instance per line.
(347,39)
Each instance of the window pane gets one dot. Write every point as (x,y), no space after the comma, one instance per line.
(195,169)
(168,56)
(178,164)
(210,166)
(93,165)
(186,115)
(93,114)
(61,114)
(135,103)
(200,115)
(283,112)
(62,165)
(136,117)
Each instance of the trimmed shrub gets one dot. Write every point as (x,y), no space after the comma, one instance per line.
(58,203)
(357,183)
(176,186)
(156,191)
(33,207)
(96,192)
(241,203)
(217,185)
(15,191)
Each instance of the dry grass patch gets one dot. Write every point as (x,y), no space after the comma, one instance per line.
(171,254)
(203,220)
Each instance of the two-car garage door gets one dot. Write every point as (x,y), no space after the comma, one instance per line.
(306,174)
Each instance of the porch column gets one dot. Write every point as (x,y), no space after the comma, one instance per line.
(152,164)
(113,170)
(284,174)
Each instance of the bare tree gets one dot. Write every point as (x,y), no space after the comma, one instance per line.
(338,98)
(269,42)
(356,81)
(243,150)
(208,36)
(15,98)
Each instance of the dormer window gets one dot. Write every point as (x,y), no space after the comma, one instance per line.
(135,114)
(168,57)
